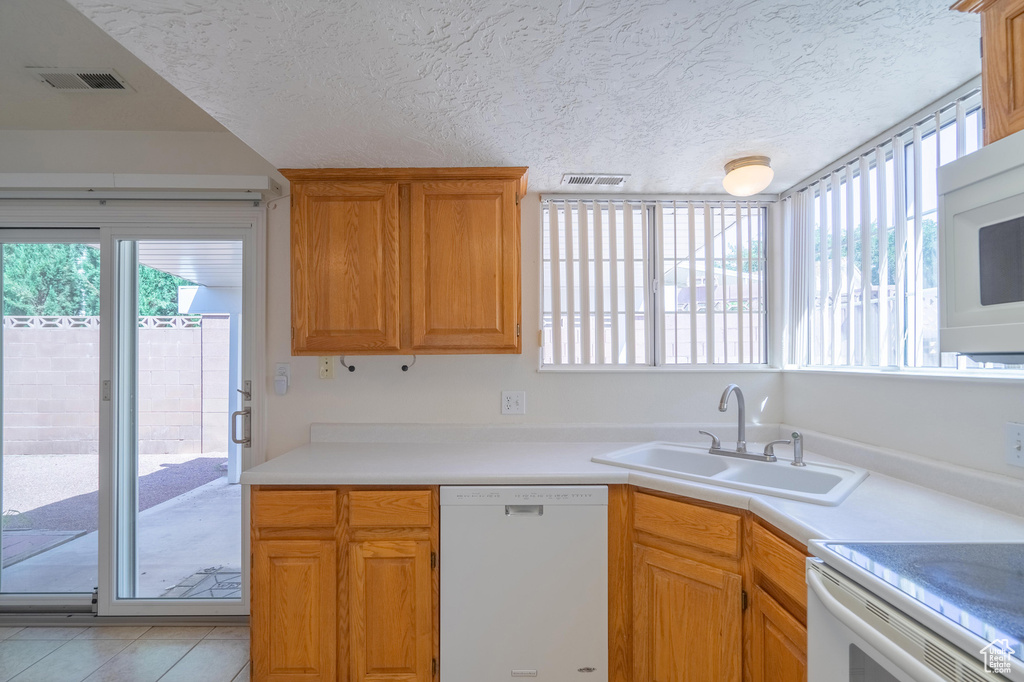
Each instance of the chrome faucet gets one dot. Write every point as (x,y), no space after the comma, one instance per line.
(723,405)
(741,434)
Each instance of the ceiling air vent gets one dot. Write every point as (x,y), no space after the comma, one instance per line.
(81,80)
(594,179)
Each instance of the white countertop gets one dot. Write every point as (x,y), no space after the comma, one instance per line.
(881,508)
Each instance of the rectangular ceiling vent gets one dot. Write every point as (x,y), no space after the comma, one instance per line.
(595,179)
(82,80)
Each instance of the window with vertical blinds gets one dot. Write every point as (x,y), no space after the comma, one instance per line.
(652,283)
(864,282)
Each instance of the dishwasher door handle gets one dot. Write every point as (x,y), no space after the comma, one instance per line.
(524,510)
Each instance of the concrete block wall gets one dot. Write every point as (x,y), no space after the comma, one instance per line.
(51,389)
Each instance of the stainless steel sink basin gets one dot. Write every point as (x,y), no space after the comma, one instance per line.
(824,484)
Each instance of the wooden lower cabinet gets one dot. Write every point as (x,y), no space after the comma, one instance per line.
(390,609)
(699,591)
(344,584)
(778,643)
(687,619)
(294,617)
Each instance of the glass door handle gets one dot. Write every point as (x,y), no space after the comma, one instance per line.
(246,414)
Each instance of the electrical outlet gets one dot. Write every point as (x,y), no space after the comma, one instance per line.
(326,367)
(513,402)
(1015,444)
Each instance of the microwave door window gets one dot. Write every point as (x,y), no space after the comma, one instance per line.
(1001,262)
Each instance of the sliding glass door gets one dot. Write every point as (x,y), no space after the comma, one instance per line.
(50,420)
(180,412)
(126,355)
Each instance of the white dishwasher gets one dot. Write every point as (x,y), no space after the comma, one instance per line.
(524,583)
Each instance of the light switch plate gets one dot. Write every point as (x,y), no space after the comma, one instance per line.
(1015,444)
(513,402)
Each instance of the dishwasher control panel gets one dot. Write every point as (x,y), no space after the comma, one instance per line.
(470,495)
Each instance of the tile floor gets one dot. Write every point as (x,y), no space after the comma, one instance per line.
(124,654)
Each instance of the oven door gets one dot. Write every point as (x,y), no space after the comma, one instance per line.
(848,641)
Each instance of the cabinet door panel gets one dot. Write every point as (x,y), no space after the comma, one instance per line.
(464,266)
(390,606)
(345,267)
(686,620)
(294,618)
(779,642)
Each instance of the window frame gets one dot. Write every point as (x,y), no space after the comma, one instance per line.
(654,253)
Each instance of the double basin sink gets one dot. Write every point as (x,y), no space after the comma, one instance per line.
(824,484)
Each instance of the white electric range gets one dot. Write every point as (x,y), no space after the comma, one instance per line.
(915,612)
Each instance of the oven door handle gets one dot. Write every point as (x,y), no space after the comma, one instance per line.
(894,653)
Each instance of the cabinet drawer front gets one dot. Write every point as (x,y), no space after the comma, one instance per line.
(780,563)
(294,508)
(395,508)
(689,524)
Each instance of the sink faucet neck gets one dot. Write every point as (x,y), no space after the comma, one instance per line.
(723,405)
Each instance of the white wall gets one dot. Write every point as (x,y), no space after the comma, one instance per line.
(953,420)
(468,388)
(99,151)
(958,421)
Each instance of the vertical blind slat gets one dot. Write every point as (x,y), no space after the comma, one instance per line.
(914,274)
(961,129)
(822,288)
(613,277)
(709,282)
(570,289)
(725,283)
(866,324)
(691,244)
(739,284)
(749,274)
(599,312)
(850,336)
(882,223)
(836,309)
(585,317)
(630,281)
(899,181)
(556,284)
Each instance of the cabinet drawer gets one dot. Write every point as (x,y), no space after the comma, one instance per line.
(709,529)
(780,563)
(397,508)
(294,508)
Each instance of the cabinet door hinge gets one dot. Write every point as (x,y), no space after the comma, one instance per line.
(517,330)
(433,667)
(433,559)
(743,600)
(517,198)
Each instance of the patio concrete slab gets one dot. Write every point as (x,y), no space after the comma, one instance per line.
(199,529)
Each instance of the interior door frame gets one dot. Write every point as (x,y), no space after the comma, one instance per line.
(119,219)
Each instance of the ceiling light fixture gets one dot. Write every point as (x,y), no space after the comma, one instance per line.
(749,175)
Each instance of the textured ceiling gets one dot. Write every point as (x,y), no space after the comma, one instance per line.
(667,90)
(50,33)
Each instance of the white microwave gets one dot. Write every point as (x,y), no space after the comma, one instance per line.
(981,251)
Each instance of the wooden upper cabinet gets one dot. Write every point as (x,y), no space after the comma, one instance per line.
(465,266)
(1002,86)
(345,267)
(406,260)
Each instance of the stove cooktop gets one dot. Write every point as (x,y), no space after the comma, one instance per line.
(976,586)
